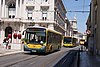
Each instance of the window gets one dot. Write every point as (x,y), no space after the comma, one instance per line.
(9,16)
(12,5)
(11,10)
(44,15)
(13,16)
(29,14)
(29,18)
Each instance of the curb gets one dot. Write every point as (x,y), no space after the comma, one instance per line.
(10,53)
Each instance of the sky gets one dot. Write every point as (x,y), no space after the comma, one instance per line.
(81,17)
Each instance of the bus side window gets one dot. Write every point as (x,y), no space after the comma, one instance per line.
(49,38)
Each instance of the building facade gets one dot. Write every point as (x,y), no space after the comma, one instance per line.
(67,27)
(16,15)
(93,27)
(73,28)
(95,20)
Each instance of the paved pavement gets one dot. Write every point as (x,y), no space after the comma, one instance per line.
(4,51)
(87,60)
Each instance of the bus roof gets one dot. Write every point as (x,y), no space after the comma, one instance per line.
(36,27)
(54,31)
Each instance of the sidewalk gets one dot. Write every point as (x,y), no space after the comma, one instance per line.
(4,51)
(89,61)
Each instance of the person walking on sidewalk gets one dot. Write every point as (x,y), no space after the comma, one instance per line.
(6,42)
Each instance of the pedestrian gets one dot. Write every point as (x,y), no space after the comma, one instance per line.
(9,43)
(86,45)
(9,40)
(6,42)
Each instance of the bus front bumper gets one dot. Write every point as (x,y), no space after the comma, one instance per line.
(40,50)
(68,45)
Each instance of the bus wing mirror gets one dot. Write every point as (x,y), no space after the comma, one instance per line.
(23,32)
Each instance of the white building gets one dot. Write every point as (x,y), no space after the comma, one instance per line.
(67,27)
(73,27)
(16,15)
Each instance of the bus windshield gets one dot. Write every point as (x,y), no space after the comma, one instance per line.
(67,40)
(82,40)
(36,37)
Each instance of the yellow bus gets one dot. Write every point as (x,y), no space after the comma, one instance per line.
(69,41)
(42,40)
(82,41)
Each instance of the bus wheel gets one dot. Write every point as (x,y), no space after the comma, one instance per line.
(51,49)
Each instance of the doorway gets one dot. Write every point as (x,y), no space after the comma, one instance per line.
(8,30)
